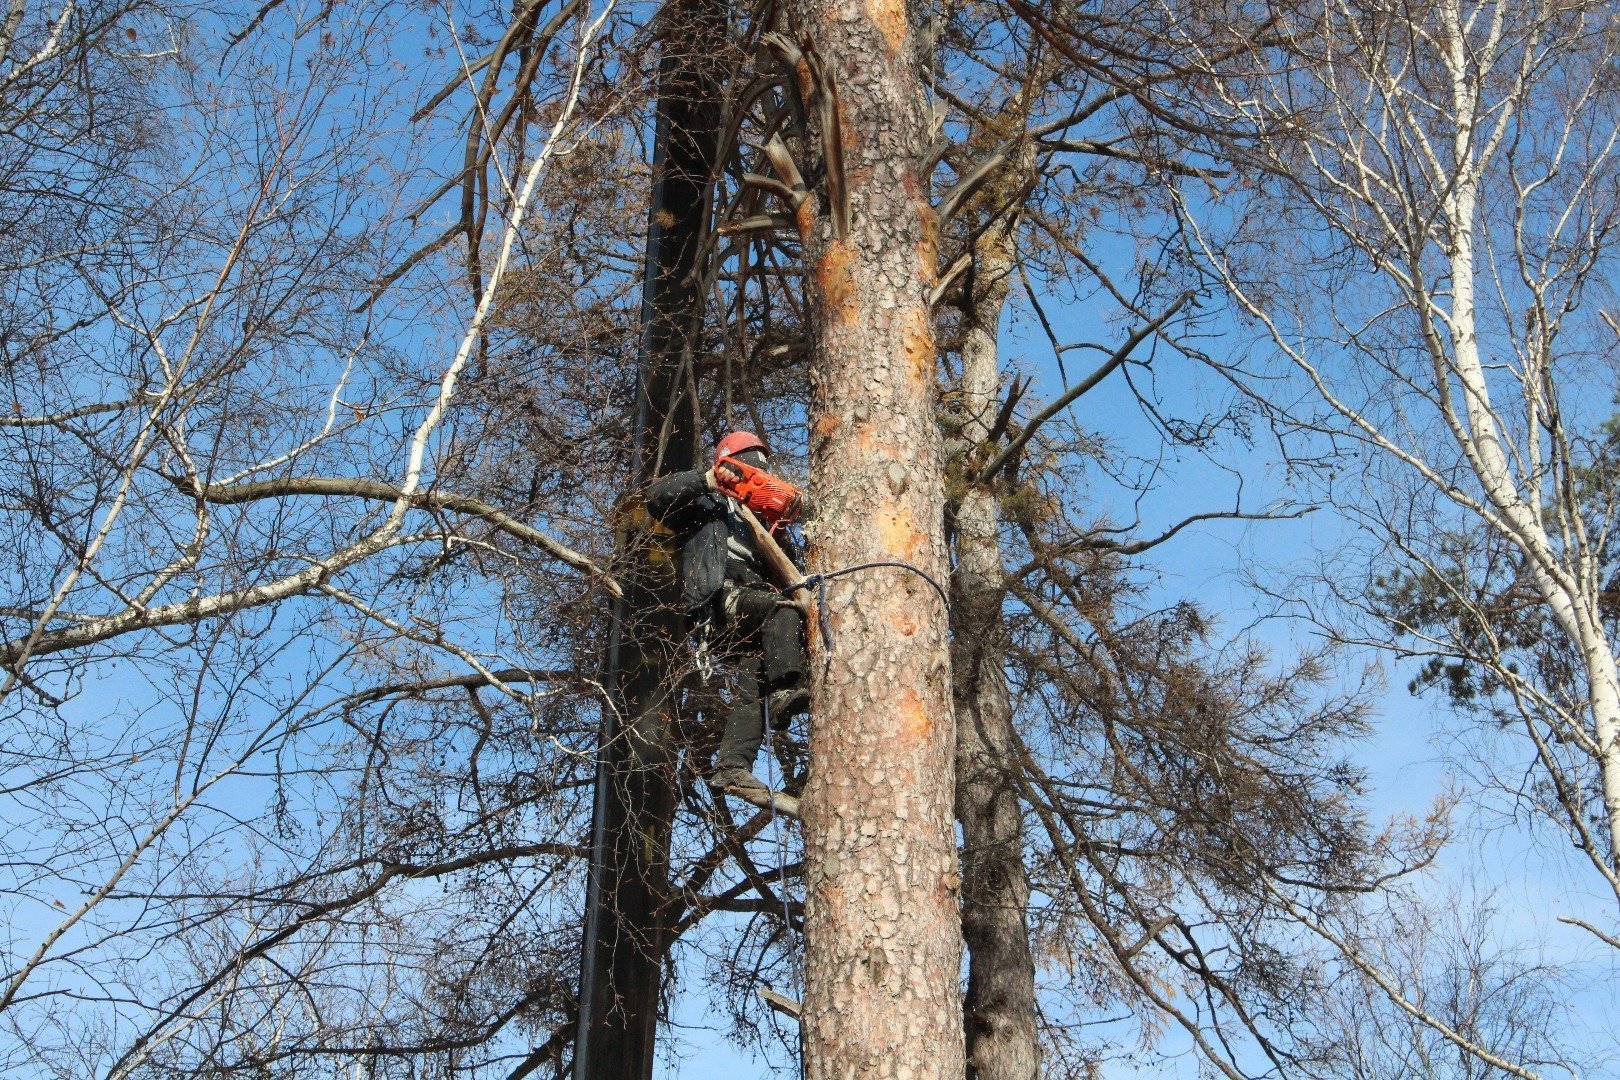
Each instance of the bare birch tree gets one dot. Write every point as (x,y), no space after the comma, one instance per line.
(1443,179)
(1447,952)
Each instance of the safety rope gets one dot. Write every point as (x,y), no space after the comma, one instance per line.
(819,583)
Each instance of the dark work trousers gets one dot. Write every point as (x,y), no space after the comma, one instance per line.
(762,638)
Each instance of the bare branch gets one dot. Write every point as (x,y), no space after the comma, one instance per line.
(431,499)
(1107,367)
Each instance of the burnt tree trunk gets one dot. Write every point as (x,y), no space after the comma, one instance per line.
(625,939)
(999,1011)
(883,936)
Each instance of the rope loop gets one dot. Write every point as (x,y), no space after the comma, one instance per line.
(819,582)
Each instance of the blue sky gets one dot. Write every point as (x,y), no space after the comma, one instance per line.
(1404,755)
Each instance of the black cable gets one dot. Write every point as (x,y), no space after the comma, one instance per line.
(820,582)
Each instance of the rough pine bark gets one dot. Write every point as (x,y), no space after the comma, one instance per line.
(883,937)
(1000,1015)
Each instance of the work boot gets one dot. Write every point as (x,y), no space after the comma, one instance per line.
(734,779)
(788,703)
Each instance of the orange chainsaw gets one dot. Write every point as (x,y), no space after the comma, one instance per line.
(772,498)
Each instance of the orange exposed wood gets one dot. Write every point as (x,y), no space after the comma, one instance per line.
(889,16)
(838,281)
(928,246)
(899,532)
(917,336)
(915,719)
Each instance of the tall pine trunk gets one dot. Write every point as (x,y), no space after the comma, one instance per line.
(883,937)
(999,1010)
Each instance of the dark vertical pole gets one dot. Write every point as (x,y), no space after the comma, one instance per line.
(622,959)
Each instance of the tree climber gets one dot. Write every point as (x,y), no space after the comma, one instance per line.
(726,594)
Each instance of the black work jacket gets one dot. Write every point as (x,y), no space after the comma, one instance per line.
(702,520)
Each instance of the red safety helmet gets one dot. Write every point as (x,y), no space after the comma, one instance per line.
(739,442)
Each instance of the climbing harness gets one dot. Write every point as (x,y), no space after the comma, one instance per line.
(819,583)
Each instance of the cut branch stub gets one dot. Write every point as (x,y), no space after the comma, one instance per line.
(756,223)
(776,152)
(818,94)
